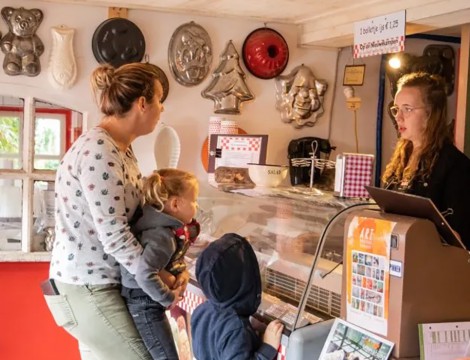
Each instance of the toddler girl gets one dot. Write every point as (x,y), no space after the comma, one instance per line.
(165,227)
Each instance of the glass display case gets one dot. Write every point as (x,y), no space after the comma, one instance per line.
(286,227)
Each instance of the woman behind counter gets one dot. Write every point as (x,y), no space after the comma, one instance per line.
(425,161)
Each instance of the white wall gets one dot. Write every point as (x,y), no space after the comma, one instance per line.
(79,97)
(185,109)
(342,134)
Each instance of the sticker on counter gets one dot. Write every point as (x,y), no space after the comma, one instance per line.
(395,268)
(367,271)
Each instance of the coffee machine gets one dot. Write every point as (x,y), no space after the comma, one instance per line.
(300,153)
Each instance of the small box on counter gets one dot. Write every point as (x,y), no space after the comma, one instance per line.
(353,172)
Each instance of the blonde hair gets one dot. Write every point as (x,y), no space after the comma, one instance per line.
(165,183)
(115,90)
(436,134)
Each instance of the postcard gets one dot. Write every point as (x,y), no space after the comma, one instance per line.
(347,341)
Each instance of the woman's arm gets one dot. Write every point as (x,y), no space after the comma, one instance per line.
(111,198)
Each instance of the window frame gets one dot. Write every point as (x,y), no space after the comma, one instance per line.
(28,175)
(61,115)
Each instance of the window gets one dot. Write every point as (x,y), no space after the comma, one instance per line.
(11,125)
(49,144)
(34,135)
(55,129)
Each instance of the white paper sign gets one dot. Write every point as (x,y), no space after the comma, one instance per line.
(380,35)
(444,341)
(395,268)
(236,150)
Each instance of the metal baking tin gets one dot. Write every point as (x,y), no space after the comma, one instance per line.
(190,54)
(118,41)
(265,53)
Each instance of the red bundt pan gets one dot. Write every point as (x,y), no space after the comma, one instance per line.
(265,53)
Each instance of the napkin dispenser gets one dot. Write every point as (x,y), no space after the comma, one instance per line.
(353,172)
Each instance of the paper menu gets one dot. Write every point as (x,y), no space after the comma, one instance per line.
(444,341)
(236,150)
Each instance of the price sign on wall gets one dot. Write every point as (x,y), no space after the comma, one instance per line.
(380,35)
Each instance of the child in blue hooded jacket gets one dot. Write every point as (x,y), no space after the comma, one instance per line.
(228,274)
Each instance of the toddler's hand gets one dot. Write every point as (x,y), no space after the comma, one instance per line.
(272,335)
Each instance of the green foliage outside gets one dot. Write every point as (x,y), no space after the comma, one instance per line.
(47,137)
(46,141)
(9,134)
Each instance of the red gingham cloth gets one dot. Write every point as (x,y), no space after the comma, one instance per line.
(190,302)
(281,352)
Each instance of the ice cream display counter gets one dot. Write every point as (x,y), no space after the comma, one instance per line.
(285,227)
(302,237)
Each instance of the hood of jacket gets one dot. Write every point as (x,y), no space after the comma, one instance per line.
(228,273)
(149,218)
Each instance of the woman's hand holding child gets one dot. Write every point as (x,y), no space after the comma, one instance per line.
(178,292)
(167,278)
(182,280)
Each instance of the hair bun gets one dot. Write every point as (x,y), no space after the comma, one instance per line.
(103,77)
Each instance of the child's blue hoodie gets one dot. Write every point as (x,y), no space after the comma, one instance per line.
(228,273)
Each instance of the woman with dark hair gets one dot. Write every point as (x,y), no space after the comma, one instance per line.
(425,161)
(98,188)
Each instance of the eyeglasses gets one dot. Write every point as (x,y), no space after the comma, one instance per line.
(405,110)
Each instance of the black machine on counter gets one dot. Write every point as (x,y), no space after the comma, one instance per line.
(300,152)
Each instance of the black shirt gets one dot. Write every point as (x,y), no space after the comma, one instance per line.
(448,186)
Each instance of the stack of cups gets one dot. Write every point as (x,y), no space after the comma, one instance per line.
(214,128)
(228,127)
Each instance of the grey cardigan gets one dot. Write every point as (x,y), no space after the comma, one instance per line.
(155,231)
